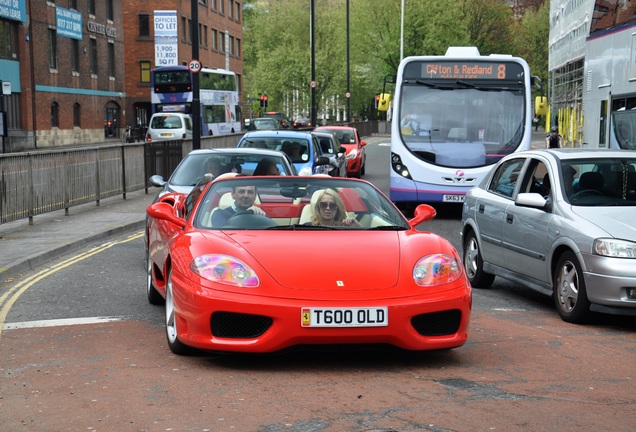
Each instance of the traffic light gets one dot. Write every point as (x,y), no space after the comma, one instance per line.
(377,100)
(261,99)
(266,101)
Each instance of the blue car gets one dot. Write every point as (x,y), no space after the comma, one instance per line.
(302,148)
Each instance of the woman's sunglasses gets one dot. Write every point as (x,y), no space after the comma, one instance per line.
(328,205)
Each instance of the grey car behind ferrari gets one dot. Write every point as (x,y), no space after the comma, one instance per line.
(560,221)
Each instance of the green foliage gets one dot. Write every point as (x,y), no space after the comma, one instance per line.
(277,51)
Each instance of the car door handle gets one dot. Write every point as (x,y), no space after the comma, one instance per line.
(509,218)
(481,208)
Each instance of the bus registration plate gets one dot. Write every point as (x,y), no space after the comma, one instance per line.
(453,198)
(344,317)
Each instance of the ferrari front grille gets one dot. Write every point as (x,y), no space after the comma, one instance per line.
(437,323)
(237,325)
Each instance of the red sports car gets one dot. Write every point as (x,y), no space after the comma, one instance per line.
(263,264)
(349,138)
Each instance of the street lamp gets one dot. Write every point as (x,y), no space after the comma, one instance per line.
(196,97)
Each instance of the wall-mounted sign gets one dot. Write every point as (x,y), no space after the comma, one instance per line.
(13,10)
(166,43)
(68,23)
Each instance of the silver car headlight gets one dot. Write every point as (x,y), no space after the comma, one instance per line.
(614,248)
(225,269)
(436,269)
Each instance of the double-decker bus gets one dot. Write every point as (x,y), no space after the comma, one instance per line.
(454,117)
(220,112)
(609,96)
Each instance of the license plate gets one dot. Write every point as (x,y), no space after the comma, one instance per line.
(345,317)
(453,198)
(165,134)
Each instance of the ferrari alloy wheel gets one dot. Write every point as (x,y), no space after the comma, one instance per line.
(570,295)
(171,321)
(474,264)
(153,295)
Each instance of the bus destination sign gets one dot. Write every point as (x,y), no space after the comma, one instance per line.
(468,70)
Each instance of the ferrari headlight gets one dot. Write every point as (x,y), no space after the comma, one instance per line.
(224,269)
(436,269)
(614,248)
(352,154)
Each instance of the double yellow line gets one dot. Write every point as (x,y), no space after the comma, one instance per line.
(11,296)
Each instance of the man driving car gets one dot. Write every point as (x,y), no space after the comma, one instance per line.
(244,197)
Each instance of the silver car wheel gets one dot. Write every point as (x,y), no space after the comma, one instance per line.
(568,286)
(474,264)
(470,257)
(171,324)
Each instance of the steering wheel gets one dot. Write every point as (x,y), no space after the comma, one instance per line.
(247,219)
(585,192)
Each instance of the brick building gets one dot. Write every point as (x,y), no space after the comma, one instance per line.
(79,71)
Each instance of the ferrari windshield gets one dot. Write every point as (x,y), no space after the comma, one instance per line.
(296,203)
(461,123)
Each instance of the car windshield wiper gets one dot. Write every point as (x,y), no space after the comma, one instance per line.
(303,227)
(388,228)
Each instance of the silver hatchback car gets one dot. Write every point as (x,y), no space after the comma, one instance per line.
(560,221)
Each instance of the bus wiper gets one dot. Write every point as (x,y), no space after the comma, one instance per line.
(427,84)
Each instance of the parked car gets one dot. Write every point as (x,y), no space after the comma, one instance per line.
(559,221)
(263,123)
(301,122)
(330,147)
(169,127)
(280,117)
(349,138)
(259,282)
(301,147)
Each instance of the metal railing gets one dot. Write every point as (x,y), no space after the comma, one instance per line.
(37,182)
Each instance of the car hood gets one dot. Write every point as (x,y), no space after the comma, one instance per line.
(325,260)
(618,222)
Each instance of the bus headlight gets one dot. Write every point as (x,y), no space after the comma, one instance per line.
(399,167)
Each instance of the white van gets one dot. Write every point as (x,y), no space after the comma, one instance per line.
(169,127)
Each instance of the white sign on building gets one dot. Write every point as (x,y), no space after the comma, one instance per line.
(166,42)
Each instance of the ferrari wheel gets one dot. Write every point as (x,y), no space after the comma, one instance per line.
(151,292)
(570,295)
(474,264)
(171,322)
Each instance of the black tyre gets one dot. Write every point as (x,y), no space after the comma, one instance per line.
(570,295)
(153,295)
(474,264)
(176,346)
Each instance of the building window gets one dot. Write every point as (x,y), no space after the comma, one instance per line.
(221,9)
(231,46)
(203,2)
(213,4)
(111,59)
(221,42)
(76,115)
(91,7)
(52,49)
(237,13)
(144,71)
(55,115)
(184,30)
(230,8)
(72,4)
(215,42)
(238,48)
(75,55)
(144,25)
(110,10)
(8,39)
(93,56)
(203,38)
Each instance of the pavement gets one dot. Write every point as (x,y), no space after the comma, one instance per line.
(24,247)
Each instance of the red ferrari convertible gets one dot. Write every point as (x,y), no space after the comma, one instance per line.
(264,264)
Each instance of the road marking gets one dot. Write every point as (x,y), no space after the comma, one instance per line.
(59,322)
(11,296)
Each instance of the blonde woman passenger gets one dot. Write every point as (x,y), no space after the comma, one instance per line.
(329,210)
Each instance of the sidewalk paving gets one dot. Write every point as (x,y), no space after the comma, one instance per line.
(24,247)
